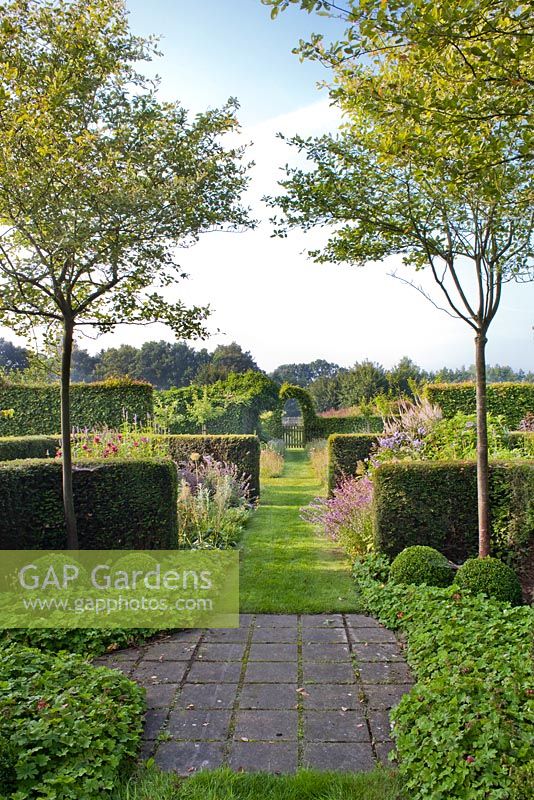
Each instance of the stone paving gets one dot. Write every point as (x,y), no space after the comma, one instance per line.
(278,693)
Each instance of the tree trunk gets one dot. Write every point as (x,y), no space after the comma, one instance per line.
(66,448)
(482,448)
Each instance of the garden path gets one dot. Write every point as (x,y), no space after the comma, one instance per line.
(303,681)
(285,566)
(278,693)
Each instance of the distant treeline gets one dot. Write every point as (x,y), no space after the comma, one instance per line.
(167,364)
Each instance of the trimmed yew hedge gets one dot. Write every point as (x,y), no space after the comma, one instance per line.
(344,452)
(93,405)
(434,503)
(241,450)
(16,447)
(510,400)
(120,505)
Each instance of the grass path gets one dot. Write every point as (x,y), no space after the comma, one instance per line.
(286,567)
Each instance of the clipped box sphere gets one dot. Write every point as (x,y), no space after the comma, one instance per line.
(421,564)
(491,577)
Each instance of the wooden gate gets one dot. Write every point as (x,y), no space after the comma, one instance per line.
(294,436)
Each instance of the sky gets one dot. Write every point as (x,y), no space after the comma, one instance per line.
(264,292)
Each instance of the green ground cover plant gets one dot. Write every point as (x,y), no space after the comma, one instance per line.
(465,729)
(286,567)
(67,729)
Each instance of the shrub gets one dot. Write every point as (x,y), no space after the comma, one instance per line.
(456,438)
(345,452)
(465,729)
(491,577)
(67,728)
(37,411)
(523,441)
(317,451)
(346,516)
(421,564)
(512,401)
(271,462)
(434,503)
(119,505)
(15,447)
(243,451)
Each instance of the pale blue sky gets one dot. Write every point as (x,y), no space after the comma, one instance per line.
(264,292)
(220,48)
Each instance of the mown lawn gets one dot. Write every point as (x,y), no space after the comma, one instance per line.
(223,784)
(286,567)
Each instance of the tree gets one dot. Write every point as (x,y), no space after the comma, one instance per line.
(167,364)
(118,361)
(462,72)
(84,365)
(432,166)
(403,376)
(361,383)
(325,392)
(226,359)
(12,357)
(303,374)
(99,181)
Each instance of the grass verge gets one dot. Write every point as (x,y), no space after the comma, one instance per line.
(223,784)
(286,567)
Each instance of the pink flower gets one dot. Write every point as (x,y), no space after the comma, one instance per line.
(470,759)
(97,440)
(85,447)
(136,444)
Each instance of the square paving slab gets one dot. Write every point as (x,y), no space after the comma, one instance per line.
(276,694)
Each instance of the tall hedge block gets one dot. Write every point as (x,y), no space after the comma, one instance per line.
(434,503)
(511,400)
(344,453)
(15,447)
(93,405)
(354,424)
(243,451)
(120,505)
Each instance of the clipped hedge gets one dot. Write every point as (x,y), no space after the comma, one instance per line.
(344,452)
(434,503)
(242,398)
(15,447)
(93,405)
(120,505)
(243,451)
(510,400)
(67,729)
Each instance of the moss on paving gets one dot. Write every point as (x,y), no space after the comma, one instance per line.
(286,566)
